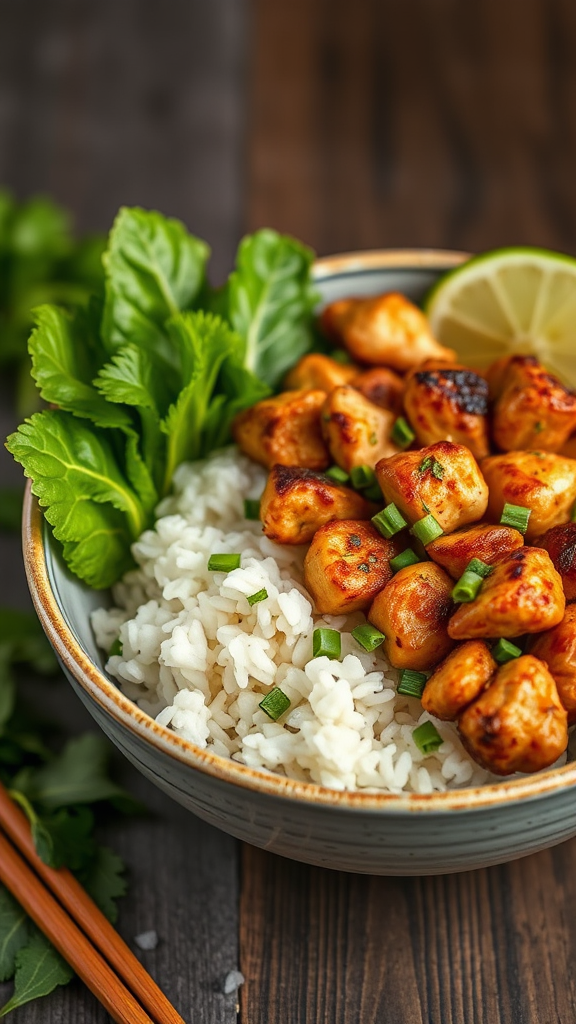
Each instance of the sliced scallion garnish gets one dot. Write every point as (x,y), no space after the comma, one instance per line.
(116,648)
(252,508)
(362,476)
(478,566)
(405,558)
(427,529)
(412,683)
(427,738)
(368,636)
(260,595)
(467,587)
(326,643)
(505,651)
(337,474)
(223,563)
(516,516)
(275,703)
(389,521)
(402,433)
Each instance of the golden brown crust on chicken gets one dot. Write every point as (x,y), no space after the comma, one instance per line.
(523,594)
(443,479)
(297,502)
(386,329)
(413,612)
(533,408)
(540,481)
(346,565)
(356,431)
(557,648)
(568,449)
(518,724)
(285,430)
(560,543)
(490,544)
(448,403)
(458,680)
(381,386)
(319,373)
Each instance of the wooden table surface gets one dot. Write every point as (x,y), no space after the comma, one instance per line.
(378,123)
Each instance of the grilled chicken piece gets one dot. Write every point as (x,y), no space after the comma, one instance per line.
(569,447)
(297,502)
(284,430)
(557,648)
(319,373)
(458,680)
(533,408)
(540,481)
(346,565)
(560,543)
(443,480)
(385,329)
(518,724)
(490,544)
(413,612)
(523,594)
(448,403)
(356,431)
(381,386)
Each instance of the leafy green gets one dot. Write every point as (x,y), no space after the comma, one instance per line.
(39,970)
(14,924)
(103,878)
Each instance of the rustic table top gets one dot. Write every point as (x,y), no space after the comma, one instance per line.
(425,123)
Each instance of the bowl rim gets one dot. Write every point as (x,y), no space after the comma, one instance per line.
(112,701)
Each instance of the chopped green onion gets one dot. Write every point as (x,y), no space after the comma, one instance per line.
(362,476)
(260,595)
(467,587)
(412,683)
(338,475)
(427,529)
(340,355)
(427,738)
(326,643)
(407,557)
(275,703)
(368,636)
(516,516)
(252,508)
(116,648)
(402,433)
(435,467)
(374,494)
(223,563)
(389,521)
(504,651)
(481,568)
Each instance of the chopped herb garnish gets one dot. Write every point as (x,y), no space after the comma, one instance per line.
(435,467)
(326,643)
(339,355)
(412,683)
(467,587)
(373,439)
(116,648)
(275,703)
(368,636)
(505,651)
(389,521)
(427,738)
(252,508)
(481,568)
(427,530)
(401,561)
(362,476)
(223,563)
(516,516)
(402,433)
(338,475)
(260,595)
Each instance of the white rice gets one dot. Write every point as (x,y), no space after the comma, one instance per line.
(199,658)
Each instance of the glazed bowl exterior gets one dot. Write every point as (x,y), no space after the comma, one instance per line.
(374,833)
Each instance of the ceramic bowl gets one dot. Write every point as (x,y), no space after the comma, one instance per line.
(373,833)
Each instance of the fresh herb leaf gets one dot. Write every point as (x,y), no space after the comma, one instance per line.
(435,467)
(104,880)
(269,302)
(39,970)
(14,930)
(11,499)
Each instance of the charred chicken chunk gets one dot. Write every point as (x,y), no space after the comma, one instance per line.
(381,386)
(449,403)
(560,543)
(488,543)
(413,612)
(385,329)
(443,479)
(523,594)
(284,430)
(518,724)
(356,431)
(543,482)
(319,373)
(346,565)
(458,680)
(533,408)
(297,502)
(557,647)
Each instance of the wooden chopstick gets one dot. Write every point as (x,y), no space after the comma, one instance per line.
(86,914)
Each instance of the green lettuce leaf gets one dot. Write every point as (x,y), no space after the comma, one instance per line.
(270,301)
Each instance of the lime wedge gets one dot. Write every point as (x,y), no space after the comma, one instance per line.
(509,302)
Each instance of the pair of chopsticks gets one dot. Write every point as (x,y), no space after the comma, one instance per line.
(77,928)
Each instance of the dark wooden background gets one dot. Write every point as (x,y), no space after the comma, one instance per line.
(378,123)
